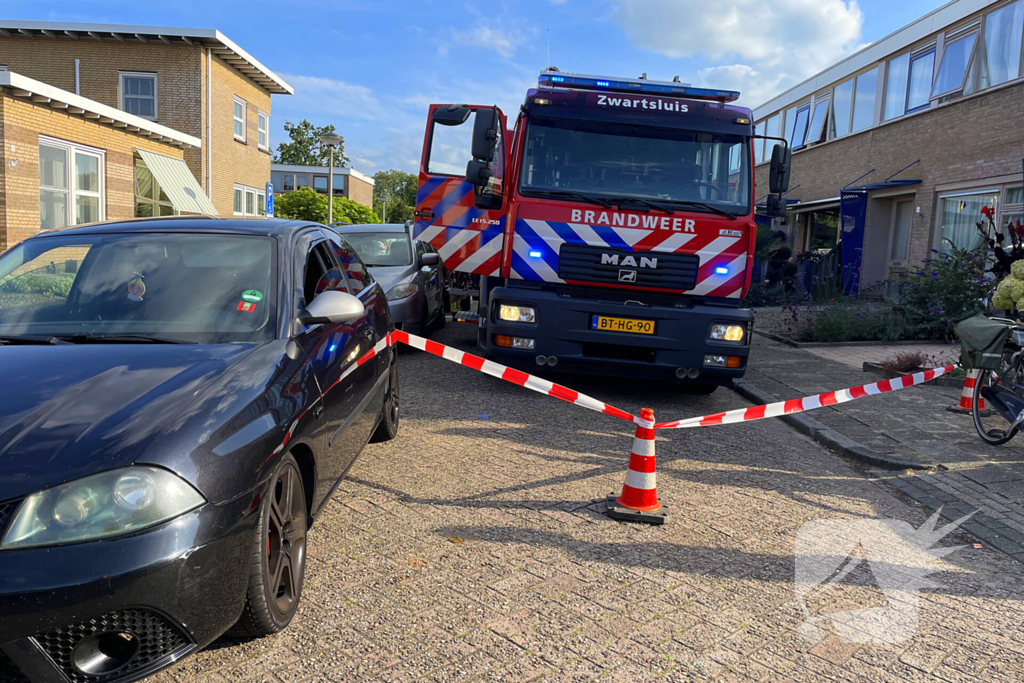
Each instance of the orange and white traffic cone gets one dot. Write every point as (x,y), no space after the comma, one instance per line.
(967,395)
(639,499)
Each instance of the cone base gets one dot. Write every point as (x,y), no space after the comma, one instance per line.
(624,514)
(967,411)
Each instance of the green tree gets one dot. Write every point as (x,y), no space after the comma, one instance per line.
(305,148)
(396,189)
(306,205)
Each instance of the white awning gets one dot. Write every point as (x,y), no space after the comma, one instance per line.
(178,183)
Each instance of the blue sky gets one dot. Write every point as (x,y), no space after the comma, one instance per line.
(371,67)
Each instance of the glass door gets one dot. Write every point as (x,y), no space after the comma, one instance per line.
(899,237)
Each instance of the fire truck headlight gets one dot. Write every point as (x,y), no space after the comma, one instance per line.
(732,333)
(517,314)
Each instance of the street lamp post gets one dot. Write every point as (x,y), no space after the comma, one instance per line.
(332,140)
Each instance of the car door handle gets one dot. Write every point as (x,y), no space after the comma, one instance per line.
(318,412)
(423,214)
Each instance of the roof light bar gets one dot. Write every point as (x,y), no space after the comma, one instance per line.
(634,85)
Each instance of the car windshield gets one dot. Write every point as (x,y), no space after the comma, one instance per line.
(179,287)
(616,161)
(381,248)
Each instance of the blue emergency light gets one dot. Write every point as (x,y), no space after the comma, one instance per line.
(535,254)
(634,85)
(721,270)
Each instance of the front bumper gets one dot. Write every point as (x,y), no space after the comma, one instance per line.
(175,588)
(408,312)
(563,330)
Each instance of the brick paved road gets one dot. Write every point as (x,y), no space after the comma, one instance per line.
(469,549)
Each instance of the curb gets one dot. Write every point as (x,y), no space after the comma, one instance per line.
(816,345)
(829,437)
(944,381)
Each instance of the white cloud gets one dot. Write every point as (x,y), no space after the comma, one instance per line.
(504,42)
(314,94)
(788,40)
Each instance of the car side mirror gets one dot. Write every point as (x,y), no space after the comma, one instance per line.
(430,259)
(332,307)
(478,173)
(778,173)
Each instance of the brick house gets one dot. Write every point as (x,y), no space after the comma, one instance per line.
(348,182)
(209,95)
(898,147)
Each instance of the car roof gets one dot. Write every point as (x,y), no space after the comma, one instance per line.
(273,227)
(372,227)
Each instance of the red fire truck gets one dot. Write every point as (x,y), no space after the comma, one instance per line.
(612,229)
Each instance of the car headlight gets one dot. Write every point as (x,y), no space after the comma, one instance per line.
(733,333)
(403,291)
(109,504)
(517,314)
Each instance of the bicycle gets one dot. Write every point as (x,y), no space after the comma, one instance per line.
(1002,391)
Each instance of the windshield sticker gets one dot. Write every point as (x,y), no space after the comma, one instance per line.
(245,307)
(252,296)
(136,288)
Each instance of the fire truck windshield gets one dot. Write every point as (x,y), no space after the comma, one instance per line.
(615,161)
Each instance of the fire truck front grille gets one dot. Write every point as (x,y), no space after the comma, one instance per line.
(649,269)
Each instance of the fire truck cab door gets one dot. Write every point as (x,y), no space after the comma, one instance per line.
(468,239)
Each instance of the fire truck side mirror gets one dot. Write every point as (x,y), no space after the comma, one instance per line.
(452,115)
(778,174)
(485,134)
(775,206)
(478,173)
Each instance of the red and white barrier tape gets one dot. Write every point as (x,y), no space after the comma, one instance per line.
(514,376)
(800,405)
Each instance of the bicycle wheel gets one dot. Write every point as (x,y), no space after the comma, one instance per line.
(994,424)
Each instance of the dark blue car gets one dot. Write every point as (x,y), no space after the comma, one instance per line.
(178,399)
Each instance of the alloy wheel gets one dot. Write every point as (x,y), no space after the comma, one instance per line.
(286,540)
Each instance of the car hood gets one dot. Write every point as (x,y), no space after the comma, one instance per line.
(389,276)
(70,411)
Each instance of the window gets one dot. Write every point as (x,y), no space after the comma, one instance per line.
(301,181)
(953,68)
(796,125)
(1002,45)
(958,216)
(138,94)
(1013,210)
(771,129)
(842,98)
(816,131)
(896,87)
(864,101)
(320,184)
(921,68)
(150,199)
(71,188)
(356,275)
(339,185)
(450,148)
(823,231)
(263,131)
(249,201)
(240,119)
(287,182)
(759,144)
(383,249)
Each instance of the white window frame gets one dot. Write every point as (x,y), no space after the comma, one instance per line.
(71,178)
(121,94)
(259,199)
(263,128)
(235,119)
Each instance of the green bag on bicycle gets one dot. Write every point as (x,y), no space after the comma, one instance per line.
(981,342)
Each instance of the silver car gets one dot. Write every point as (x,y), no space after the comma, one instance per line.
(409,270)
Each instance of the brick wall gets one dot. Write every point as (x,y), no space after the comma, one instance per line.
(234,161)
(975,138)
(22,123)
(360,191)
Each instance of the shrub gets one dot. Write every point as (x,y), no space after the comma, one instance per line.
(949,288)
(765,295)
(907,361)
(306,205)
(845,322)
